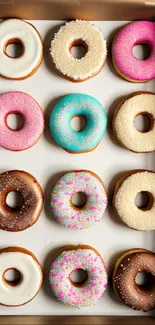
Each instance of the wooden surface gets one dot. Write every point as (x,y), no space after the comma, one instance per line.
(77,320)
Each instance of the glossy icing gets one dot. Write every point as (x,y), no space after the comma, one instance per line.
(31,278)
(91,291)
(20,67)
(127,64)
(70,106)
(28,135)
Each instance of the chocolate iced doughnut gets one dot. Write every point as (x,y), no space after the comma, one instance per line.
(124,279)
(17,219)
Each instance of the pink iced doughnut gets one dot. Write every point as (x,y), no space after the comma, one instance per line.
(25,105)
(126,64)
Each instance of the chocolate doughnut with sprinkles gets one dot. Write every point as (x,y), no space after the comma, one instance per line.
(138,297)
(24,216)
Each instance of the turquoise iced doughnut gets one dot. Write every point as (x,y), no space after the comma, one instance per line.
(73,105)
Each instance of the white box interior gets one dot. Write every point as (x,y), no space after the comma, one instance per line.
(47,162)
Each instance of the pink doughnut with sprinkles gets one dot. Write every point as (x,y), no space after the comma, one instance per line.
(126,64)
(79,217)
(72,258)
(23,104)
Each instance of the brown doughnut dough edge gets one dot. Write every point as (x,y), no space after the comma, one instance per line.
(80,152)
(24,251)
(80,80)
(74,248)
(39,107)
(119,261)
(31,181)
(37,65)
(117,110)
(118,185)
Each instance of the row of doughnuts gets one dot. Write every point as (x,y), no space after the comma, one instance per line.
(62,207)
(78,294)
(77,105)
(74,33)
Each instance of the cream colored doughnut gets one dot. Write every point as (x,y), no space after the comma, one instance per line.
(125,194)
(123,122)
(31,276)
(74,33)
(19,31)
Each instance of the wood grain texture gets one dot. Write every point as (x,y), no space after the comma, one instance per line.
(77,320)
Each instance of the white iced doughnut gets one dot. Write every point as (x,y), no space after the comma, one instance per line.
(31,276)
(19,31)
(75,33)
(124,198)
(141,103)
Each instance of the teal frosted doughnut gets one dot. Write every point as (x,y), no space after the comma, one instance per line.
(60,122)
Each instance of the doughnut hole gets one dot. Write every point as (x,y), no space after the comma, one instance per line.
(78,277)
(141,51)
(15,121)
(14,48)
(145,280)
(78,49)
(14,200)
(79,200)
(144,122)
(12,277)
(144,200)
(78,123)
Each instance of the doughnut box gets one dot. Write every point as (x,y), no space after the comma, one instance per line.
(51,222)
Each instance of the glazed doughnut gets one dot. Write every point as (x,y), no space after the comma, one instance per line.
(22,260)
(126,64)
(20,103)
(72,258)
(18,31)
(83,217)
(78,105)
(124,279)
(125,193)
(74,33)
(140,103)
(17,219)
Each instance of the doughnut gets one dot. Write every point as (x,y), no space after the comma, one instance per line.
(125,193)
(124,279)
(125,63)
(79,217)
(69,259)
(18,31)
(74,33)
(16,294)
(78,105)
(20,218)
(139,103)
(20,103)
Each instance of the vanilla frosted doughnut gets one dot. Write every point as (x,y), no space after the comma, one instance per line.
(78,105)
(140,103)
(124,198)
(63,209)
(20,218)
(76,33)
(26,263)
(124,279)
(73,258)
(125,63)
(19,31)
(25,105)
